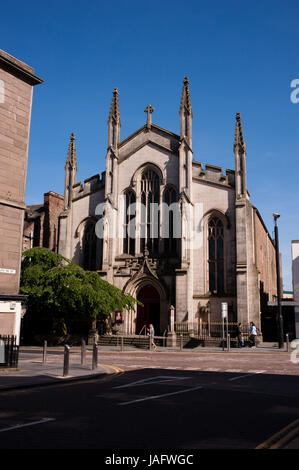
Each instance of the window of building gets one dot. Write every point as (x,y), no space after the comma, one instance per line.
(216,255)
(89,247)
(129,225)
(149,217)
(170,242)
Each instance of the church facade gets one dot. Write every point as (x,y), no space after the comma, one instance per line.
(179,236)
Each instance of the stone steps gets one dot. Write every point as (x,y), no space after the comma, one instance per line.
(188,342)
(132,340)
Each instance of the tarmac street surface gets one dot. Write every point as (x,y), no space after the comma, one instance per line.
(151,400)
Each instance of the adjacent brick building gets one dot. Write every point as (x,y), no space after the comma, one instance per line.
(41,222)
(16,89)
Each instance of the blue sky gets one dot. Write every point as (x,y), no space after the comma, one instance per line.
(240,56)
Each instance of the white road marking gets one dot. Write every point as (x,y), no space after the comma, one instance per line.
(153,380)
(246,375)
(154,397)
(33,423)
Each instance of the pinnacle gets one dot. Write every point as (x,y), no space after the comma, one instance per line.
(71,156)
(239,139)
(186,100)
(114,108)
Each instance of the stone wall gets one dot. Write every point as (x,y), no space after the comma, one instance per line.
(53,204)
(16,86)
(17,80)
(265,257)
(41,222)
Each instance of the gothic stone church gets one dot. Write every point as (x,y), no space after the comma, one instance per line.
(216,249)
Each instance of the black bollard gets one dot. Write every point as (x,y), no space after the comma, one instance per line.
(95,356)
(288,342)
(45,353)
(83,352)
(66,361)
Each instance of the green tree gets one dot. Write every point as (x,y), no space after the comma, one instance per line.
(62,291)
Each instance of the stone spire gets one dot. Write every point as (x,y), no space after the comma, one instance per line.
(186,101)
(114,108)
(186,114)
(71,156)
(185,148)
(114,123)
(239,139)
(70,172)
(240,160)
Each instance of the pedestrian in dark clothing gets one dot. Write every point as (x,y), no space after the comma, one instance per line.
(239,335)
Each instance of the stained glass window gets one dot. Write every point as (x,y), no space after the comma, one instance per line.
(216,255)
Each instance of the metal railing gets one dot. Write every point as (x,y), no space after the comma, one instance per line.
(211,330)
(143,328)
(9,351)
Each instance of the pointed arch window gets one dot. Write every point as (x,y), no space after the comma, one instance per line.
(216,255)
(169,219)
(149,217)
(89,247)
(129,225)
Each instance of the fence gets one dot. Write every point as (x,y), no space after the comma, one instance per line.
(9,351)
(211,331)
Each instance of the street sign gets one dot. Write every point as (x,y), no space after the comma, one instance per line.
(224,314)
(2,352)
(224,309)
(7,271)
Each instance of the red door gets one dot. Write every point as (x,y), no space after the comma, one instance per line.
(150,312)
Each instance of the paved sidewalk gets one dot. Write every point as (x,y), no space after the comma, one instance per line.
(32,372)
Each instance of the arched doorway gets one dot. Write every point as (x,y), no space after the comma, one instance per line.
(150,312)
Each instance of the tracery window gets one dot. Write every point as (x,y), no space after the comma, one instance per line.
(89,247)
(149,217)
(129,225)
(216,255)
(170,242)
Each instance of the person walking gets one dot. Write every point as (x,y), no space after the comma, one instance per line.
(151,334)
(240,335)
(252,335)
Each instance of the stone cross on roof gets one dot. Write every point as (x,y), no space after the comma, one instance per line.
(149,110)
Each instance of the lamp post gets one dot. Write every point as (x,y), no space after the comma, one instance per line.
(279,319)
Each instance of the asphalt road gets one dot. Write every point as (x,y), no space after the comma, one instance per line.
(158,401)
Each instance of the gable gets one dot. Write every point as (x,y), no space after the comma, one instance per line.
(148,154)
(155,136)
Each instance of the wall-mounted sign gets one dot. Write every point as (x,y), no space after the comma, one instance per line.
(118,316)
(7,271)
(224,309)
(2,352)
(2,91)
